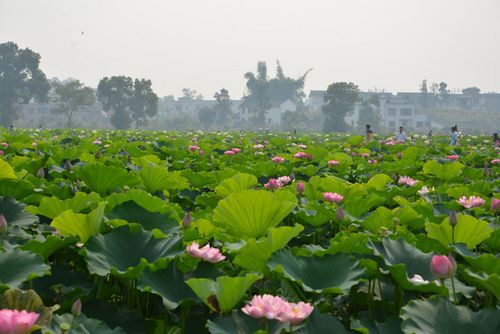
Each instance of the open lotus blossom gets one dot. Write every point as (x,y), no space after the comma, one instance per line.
(284,180)
(278,160)
(5,145)
(332,197)
(333,162)
(1,152)
(236,150)
(296,313)
(258,146)
(97,142)
(470,202)
(495,161)
(443,266)
(193,148)
(365,155)
(229,152)
(417,280)
(17,322)
(300,155)
(452,157)
(406,180)
(424,190)
(206,253)
(495,205)
(272,184)
(372,162)
(302,146)
(34,144)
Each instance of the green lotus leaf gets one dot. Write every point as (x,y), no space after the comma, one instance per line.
(51,207)
(84,226)
(321,323)
(17,189)
(438,315)
(227,290)
(329,274)
(129,249)
(48,246)
(357,204)
(255,254)
(494,240)
(156,178)
(251,213)
(199,179)
(355,140)
(131,212)
(381,217)
(104,180)
(19,266)
(469,230)
(239,323)
(316,214)
(142,198)
(379,181)
(6,171)
(484,281)
(83,325)
(235,184)
(444,172)
(14,213)
(168,283)
(391,325)
(349,243)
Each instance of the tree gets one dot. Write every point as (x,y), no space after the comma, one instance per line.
(130,101)
(368,115)
(340,98)
(21,79)
(425,94)
(71,96)
(223,106)
(207,116)
(143,103)
(188,94)
(443,90)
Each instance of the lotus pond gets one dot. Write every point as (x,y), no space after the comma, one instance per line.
(224,233)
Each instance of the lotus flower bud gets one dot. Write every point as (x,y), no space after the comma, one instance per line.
(68,165)
(3,224)
(300,187)
(399,155)
(187,220)
(340,214)
(40,173)
(76,309)
(452,218)
(443,266)
(495,205)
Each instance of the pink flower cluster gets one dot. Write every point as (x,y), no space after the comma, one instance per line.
(281,181)
(470,202)
(17,322)
(300,155)
(333,162)
(332,197)
(278,160)
(406,180)
(277,308)
(206,253)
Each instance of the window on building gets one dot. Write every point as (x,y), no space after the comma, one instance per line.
(392,112)
(405,122)
(406,112)
(392,124)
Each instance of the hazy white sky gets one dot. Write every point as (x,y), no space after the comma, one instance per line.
(210,44)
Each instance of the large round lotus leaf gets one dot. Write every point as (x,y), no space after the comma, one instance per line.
(51,207)
(250,213)
(239,323)
(103,179)
(330,273)
(391,325)
(438,315)
(133,213)
(18,266)
(316,214)
(14,213)
(6,170)
(16,188)
(484,281)
(168,283)
(319,323)
(444,171)
(127,250)
(237,183)
(84,226)
(48,246)
(83,325)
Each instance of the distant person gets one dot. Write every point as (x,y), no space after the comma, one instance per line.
(39,128)
(294,131)
(430,133)
(401,135)
(496,140)
(454,135)
(369,133)
(11,128)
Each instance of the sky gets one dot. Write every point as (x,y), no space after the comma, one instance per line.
(207,45)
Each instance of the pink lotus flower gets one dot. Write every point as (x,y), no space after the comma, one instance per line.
(17,322)
(278,160)
(399,155)
(495,205)
(3,224)
(406,180)
(201,152)
(97,142)
(443,266)
(300,155)
(229,152)
(206,253)
(365,155)
(300,187)
(34,144)
(495,161)
(236,150)
(284,180)
(272,184)
(390,142)
(372,162)
(452,157)
(332,197)
(5,145)
(333,162)
(265,306)
(302,146)
(258,146)
(353,154)
(424,190)
(470,202)
(296,313)
(193,148)
(1,152)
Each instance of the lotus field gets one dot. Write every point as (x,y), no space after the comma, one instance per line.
(227,233)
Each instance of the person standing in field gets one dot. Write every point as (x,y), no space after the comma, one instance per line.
(401,135)
(369,133)
(454,136)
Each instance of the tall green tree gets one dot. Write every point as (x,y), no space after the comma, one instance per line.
(443,91)
(21,79)
(424,94)
(143,103)
(368,115)
(340,98)
(223,106)
(72,96)
(207,116)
